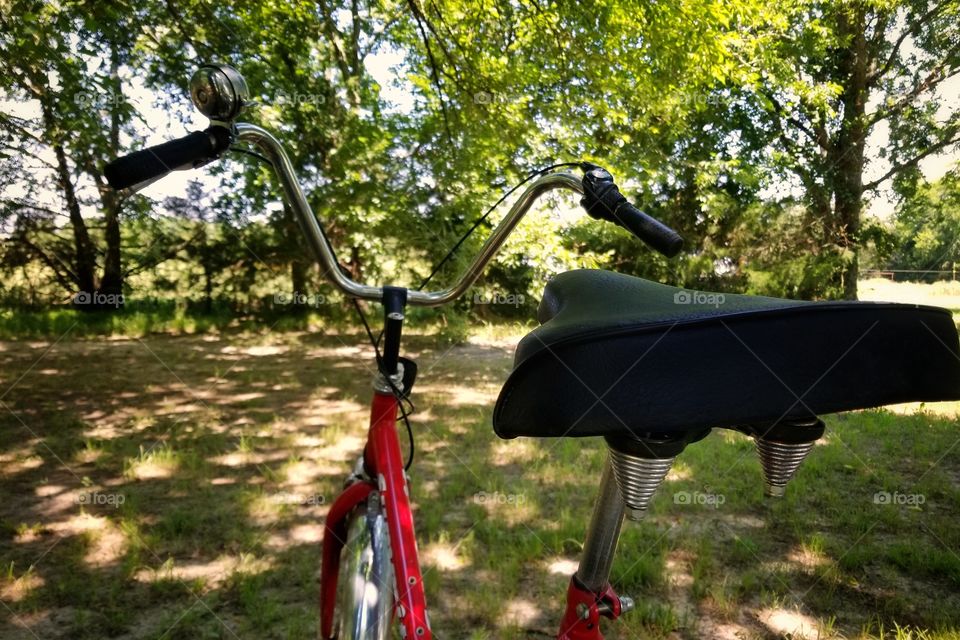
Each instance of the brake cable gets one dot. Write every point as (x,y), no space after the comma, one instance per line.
(486,215)
(375,342)
(252,154)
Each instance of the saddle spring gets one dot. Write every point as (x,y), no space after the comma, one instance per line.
(640,465)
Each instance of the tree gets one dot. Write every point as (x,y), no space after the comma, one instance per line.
(517,86)
(304,62)
(818,78)
(927,228)
(62,61)
(701,108)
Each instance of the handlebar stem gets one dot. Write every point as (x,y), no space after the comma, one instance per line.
(320,245)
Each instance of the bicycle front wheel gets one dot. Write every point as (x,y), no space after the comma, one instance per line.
(365,584)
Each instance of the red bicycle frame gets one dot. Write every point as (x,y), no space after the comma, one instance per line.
(383,460)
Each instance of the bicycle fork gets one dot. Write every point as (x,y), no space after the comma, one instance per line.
(382,461)
(589,596)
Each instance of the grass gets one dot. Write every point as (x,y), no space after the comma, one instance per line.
(141,318)
(944,294)
(175,487)
(18,324)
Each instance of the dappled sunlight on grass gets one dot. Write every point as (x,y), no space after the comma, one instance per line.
(19,463)
(809,555)
(325,409)
(298,534)
(443,556)
(106,544)
(520,613)
(506,452)
(459,395)
(159,462)
(20,588)
(344,449)
(943,409)
(228,451)
(209,574)
(256,350)
(561,566)
(791,624)
(679,471)
(945,294)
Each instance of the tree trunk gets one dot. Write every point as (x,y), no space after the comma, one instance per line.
(356,263)
(111,284)
(298,278)
(207,287)
(849,209)
(84,260)
(847,171)
(293,247)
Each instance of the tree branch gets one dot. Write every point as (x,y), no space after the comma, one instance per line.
(456,78)
(936,76)
(895,51)
(912,162)
(418,16)
(61,271)
(21,204)
(336,40)
(355,36)
(167,255)
(781,112)
(23,152)
(376,35)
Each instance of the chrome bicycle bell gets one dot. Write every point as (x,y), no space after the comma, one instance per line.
(219,92)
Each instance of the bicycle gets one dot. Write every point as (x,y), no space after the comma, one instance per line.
(648,367)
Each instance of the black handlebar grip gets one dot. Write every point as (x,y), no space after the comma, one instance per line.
(656,234)
(151,163)
(602,199)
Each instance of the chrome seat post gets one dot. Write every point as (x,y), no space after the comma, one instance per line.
(633,470)
(601,543)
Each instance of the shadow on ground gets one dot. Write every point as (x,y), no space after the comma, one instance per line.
(175,487)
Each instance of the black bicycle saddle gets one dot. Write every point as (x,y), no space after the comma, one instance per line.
(617,355)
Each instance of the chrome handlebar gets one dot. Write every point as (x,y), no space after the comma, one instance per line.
(220,93)
(293,193)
